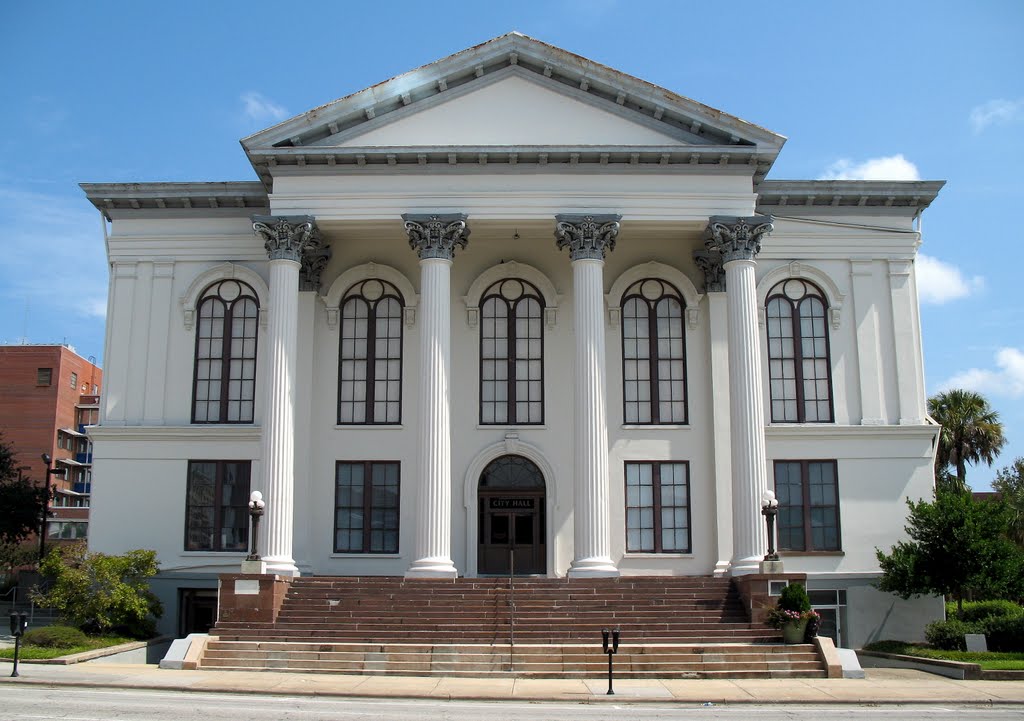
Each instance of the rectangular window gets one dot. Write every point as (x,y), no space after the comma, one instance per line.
(216,507)
(67,530)
(808,493)
(366,507)
(658,507)
(74,380)
(44,376)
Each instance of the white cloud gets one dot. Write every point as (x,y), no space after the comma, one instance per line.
(939,282)
(53,256)
(260,108)
(996,112)
(1006,379)
(890,167)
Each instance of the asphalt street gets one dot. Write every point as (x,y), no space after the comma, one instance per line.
(77,704)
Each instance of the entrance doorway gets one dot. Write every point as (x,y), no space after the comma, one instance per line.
(512,524)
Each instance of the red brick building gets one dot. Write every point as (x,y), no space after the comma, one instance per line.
(48,394)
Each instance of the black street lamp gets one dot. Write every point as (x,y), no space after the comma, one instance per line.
(46,503)
(19,622)
(256,506)
(611,650)
(770,509)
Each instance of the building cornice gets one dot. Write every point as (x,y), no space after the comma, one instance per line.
(239,198)
(845,197)
(832,432)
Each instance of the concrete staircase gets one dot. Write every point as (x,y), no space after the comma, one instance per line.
(672,627)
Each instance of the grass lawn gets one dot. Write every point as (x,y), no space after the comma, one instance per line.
(40,652)
(991,661)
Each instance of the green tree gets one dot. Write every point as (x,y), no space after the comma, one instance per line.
(1009,483)
(971,432)
(22,502)
(98,593)
(957,548)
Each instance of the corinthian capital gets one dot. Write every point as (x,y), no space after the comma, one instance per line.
(588,236)
(435,236)
(736,238)
(312,264)
(710,264)
(285,236)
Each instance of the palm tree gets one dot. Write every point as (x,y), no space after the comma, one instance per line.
(971,431)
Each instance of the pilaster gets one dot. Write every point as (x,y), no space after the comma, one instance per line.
(869,363)
(434,238)
(589,238)
(710,264)
(906,328)
(739,241)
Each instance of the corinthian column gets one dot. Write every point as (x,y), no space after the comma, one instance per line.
(588,238)
(285,238)
(739,241)
(434,238)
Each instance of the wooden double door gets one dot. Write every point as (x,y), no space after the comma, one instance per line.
(512,534)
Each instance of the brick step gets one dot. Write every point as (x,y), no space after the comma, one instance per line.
(418,637)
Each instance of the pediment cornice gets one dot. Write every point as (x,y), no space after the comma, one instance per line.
(309,137)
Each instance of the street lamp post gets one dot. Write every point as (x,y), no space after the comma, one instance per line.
(256,506)
(46,502)
(770,509)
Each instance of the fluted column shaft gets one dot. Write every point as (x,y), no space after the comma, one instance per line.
(286,238)
(592,509)
(589,238)
(746,413)
(434,238)
(278,450)
(738,241)
(433,532)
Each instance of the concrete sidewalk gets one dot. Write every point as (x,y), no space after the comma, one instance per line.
(882,686)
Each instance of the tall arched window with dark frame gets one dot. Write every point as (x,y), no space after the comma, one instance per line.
(653,354)
(799,365)
(370,355)
(512,354)
(224,378)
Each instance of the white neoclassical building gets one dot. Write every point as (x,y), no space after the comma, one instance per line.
(518,300)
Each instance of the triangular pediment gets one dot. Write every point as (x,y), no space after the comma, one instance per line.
(513,109)
(512,93)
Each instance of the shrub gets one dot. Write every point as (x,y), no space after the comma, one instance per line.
(794,598)
(1005,633)
(980,610)
(56,637)
(100,593)
(949,635)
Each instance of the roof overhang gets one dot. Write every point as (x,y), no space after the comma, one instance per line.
(846,197)
(204,199)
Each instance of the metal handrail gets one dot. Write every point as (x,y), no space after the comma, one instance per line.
(511,608)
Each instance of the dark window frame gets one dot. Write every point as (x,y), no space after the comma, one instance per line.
(353,295)
(44,376)
(634,292)
(368,508)
(657,507)
(493,292)
(218,491)
(777,293)
(224,400)
(805,486)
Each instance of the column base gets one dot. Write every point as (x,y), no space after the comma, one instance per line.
(593,568)
(432,568)
(721,569)
(743,566)
(279,566)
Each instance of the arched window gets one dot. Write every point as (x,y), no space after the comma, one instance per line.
(370,354)
(799,368)
(511,354)
(225,367)
(653,353)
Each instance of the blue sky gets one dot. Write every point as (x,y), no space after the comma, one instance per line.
(136,91)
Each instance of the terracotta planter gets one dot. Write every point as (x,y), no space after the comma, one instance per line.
(793,632)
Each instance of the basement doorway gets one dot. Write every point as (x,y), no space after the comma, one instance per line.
(511,518)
